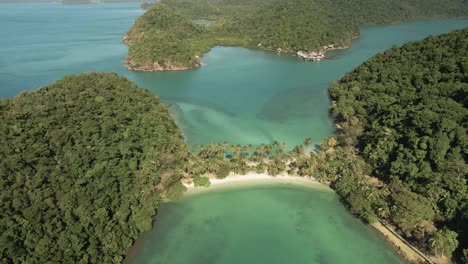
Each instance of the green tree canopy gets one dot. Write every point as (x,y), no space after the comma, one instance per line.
(201,181)
(406,111)
(166,37)
(81,163)
(444,242)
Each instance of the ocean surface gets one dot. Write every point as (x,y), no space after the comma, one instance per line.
(244,96)
(43,42)
(274,224)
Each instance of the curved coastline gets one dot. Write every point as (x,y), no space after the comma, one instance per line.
(308,56)
(249,179)
(261,180)
(402,247)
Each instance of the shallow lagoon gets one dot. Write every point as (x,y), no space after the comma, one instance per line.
(240,95)
(267,223)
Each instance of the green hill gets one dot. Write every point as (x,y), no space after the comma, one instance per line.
(406,111)
(384,11)
(160,40)
(297,25)
(166,38)
(84,163)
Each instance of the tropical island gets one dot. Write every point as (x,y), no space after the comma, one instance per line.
(84,162)
(167,37)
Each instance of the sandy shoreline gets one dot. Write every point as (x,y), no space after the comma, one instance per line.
(236,180)
(254,178)
(401,247)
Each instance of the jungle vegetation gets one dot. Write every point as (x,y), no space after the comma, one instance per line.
(405,111)
(165,37)
(84,163)
(401,151)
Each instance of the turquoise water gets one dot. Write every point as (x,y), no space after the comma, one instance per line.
(240,95)
(275,224)
(42,42)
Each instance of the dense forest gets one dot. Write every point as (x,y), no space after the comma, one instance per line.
(401,153)
(84,163)
(166,37)
(406,111)
(162,31)
(384,11)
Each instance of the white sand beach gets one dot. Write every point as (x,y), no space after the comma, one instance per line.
(236,179)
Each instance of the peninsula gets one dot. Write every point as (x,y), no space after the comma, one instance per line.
(85,161)
(167,38)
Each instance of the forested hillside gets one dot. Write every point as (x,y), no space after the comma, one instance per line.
(83,165)
(160,39)
(297,25)
(176,43)
(165,38)
(406,111)
(384,11)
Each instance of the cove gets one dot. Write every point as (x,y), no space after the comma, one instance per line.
(240,95)
(267,223)
(253,97)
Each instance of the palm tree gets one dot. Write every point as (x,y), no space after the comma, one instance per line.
(332,142)
(268,150)
(275,144)
(438,244)
(383,212)
(235,151)
(260,168)
(257,155)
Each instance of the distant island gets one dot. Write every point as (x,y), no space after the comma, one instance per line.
(167,37)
